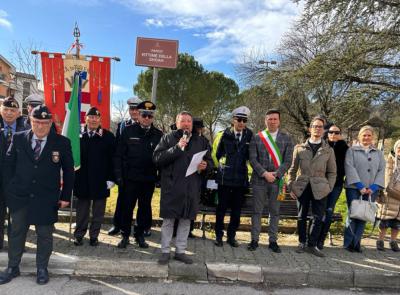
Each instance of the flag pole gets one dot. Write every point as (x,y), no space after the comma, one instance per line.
(70,215)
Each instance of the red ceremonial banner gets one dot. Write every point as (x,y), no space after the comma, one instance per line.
(58,70)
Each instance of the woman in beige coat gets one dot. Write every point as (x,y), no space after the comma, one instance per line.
(389,211)
(312,177)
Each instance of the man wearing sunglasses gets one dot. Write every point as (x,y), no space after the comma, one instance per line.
(232,177)
(133,103)
(136,173)
(270,156)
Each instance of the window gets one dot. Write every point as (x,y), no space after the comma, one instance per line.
(26,89)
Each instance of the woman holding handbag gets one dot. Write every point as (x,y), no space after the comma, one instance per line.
(365,175)
(389,210)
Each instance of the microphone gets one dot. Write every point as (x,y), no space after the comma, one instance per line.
(185,136)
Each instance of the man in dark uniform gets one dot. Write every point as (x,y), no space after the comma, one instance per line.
(33,101)
(95,177)
(136,173)
(33,168)
(232,176)
(10,122)
(134,117)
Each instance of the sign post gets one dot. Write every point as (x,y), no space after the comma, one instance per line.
(154,86)
(156,53)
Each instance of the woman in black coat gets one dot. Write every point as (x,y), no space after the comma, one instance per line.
(340,147)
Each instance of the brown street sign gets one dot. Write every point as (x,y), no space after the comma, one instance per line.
(158,53)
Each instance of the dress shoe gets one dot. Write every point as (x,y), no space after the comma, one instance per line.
(115,230)
(315,251)
(218,242)
(232,242)
(93,242)
(349,248)
(357,249)
(274,247)
(78,241)
(42,276)
(300,248)
(252,246)
(394,246)
(182,257)
(164,258)
(123,243)
(8,274)
(380,245)
(141,242)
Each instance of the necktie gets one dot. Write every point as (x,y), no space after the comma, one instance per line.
(9,135)
(37,149)
(91,133)
(237,137)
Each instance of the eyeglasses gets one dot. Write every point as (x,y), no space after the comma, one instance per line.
(147,115)
(334,132)
(317,126)
(241,120)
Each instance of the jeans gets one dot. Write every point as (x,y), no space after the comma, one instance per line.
(354,228)
(318,211)
(332,198)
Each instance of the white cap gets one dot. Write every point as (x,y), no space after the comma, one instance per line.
(133,101)
(242,112)
(34,99)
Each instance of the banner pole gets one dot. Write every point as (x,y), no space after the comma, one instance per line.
(70,216)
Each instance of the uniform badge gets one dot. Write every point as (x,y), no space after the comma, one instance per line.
(55,156)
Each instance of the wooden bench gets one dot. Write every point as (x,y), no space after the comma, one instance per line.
(288,209)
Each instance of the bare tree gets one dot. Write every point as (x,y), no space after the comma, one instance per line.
(24,60)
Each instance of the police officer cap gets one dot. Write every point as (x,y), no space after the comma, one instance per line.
(133,102)
(41,112)
(93,111)
(10,102)
(198,123)
(34,99)
(242,112)
(146,107)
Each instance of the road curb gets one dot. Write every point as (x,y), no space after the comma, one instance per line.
(61,264)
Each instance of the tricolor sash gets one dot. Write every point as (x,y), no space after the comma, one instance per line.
(273,151)
(271,147)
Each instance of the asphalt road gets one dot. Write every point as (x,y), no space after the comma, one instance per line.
(26,285)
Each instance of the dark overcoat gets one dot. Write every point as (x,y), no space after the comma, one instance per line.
(180,195)
(96,165)
(37,184)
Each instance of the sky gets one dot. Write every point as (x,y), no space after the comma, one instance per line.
(218,33)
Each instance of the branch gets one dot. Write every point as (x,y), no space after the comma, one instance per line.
(371,82)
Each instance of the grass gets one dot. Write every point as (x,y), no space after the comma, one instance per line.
(112,201)
(337,227)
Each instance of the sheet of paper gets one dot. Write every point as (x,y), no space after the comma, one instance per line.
(196,160)
(211,184)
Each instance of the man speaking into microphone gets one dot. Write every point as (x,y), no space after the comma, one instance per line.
(180,194)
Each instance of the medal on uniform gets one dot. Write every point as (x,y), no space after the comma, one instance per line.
(55,156)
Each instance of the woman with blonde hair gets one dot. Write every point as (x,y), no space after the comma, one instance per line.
(389,211)
(365,175)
